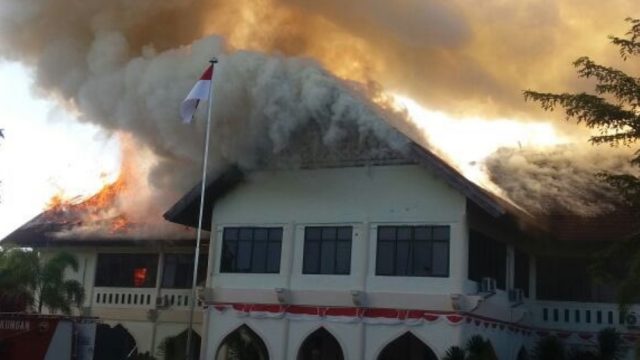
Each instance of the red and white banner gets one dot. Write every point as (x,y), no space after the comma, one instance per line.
(389,316)
(200,91)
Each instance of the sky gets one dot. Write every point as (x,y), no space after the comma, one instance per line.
(45,151)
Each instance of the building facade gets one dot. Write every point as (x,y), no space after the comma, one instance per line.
(386,262)
(141,287)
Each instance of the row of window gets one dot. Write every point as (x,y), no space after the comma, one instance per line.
(140,270)
(401,250)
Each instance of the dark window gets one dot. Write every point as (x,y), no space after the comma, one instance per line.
(251,250)
(178,271)
(320,345)
(521,276)
(242,343)
(126,270)
(407,346)
(487,258)
(569,279)
(413,251)
(327,250)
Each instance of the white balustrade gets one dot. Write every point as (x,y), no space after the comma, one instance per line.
(175,298)
(124,297)
(579,316)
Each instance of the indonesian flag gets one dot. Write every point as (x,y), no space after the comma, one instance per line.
(200,91)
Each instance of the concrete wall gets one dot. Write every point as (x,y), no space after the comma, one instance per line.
(363,197)
(148,324)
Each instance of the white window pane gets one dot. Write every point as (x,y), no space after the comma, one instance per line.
(441,258)
(403,258)
(343,257)
(259,257)
(422,258)
(273,257)
(327,258)
(384,259)
(311,260)
(244,256)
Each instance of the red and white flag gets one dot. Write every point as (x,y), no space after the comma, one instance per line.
(200,91)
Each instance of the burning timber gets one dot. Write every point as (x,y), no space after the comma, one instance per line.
(96,219)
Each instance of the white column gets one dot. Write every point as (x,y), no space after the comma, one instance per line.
(459,255)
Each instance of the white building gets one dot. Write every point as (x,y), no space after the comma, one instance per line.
(142,285)
(349,256)
(396,258)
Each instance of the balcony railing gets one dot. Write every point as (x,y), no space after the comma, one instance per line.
(142,298)
(124,297)
(176,298)
(579,316)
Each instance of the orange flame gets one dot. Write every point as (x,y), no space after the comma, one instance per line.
(100,209)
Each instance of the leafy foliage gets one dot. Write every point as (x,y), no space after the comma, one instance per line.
(25,275)
(610,346)
(17,280)
(173,347)
(455,353)
(476,348)
(614,109)
(549,348)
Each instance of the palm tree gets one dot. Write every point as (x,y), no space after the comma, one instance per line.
(549,348)
(17,280)
(476,348)
(455,353)
(610,345)
(25,274)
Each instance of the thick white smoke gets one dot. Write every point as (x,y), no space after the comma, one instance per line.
(560,180)
(126,65)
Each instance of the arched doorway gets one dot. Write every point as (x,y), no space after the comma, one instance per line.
(114,343)
(173,347)
(407,347)
(242,344)
(523,354)
(320,345)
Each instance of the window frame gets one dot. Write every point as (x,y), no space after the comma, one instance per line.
(411,251)
(336,240)
(238,228)
(152,277)
(201,273)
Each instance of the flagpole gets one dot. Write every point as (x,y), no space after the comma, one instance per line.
(213,61)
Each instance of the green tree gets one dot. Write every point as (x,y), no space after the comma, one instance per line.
(549,348)
(610,346)
(476,348)
(614,110)
(24,274)
(17,280)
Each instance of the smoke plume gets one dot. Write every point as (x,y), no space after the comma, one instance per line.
(285,64)
(561,180)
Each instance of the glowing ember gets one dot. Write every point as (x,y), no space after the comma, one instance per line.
(120,224)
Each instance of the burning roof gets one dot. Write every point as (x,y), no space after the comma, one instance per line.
(96,219)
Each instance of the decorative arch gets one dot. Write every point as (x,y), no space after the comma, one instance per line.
(173,347)
(320,345)
(114,343)
(242,344)
(407,347)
